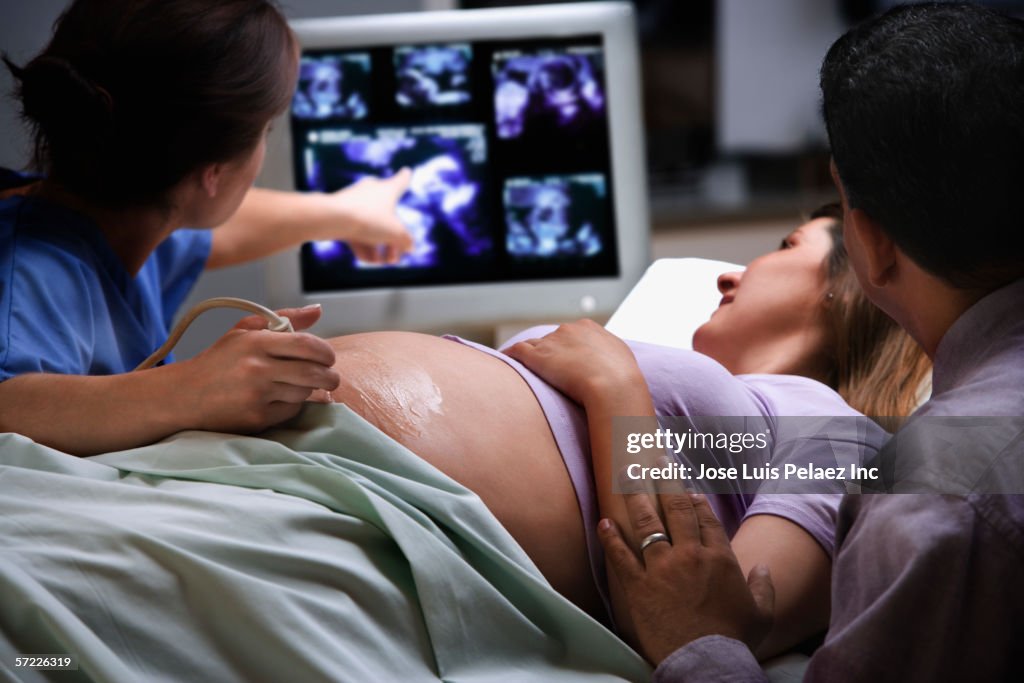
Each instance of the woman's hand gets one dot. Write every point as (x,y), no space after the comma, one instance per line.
(363,214)
(597,370)
(582,360)
(252,378)
(366,212)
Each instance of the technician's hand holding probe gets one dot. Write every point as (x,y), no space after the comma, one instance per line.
(254,376)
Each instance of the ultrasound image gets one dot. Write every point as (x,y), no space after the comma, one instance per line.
(548,92)
(441,209)
(555,216)
(332,87)
(432,75)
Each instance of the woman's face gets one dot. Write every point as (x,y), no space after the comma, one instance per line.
(771,316)
(236,177)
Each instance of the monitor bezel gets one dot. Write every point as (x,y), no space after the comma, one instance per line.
(433,307)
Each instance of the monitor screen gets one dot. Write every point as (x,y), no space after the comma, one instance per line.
(508,144)
(523,131)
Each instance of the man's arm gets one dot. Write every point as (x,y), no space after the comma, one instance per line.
(925,588)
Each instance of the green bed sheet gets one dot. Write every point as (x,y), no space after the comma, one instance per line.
(321,551)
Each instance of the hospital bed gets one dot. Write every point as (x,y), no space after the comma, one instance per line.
(317,551)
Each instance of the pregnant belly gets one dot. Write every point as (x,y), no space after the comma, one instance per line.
(475,419)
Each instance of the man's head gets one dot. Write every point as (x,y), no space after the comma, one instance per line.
(924,107)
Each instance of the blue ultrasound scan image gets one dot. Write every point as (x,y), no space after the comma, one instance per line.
(332,87)
(432,75)
(548,91)
(441,209)
(555,216)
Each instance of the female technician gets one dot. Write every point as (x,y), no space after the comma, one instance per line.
(150,116)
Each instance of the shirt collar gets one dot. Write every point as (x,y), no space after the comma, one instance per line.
(978,334)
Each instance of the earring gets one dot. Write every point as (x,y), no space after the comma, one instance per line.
(830,296)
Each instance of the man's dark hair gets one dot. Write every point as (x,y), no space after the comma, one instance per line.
(924,107)
(130,97)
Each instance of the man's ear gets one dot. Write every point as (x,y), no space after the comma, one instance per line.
(880,252)
(209,178)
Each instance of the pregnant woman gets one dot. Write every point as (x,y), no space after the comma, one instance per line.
(795,317)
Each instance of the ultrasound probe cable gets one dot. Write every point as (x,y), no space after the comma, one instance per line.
(277,323)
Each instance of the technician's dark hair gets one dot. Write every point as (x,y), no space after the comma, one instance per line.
(924,107)
(130,97)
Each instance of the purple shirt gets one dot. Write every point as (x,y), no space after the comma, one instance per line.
(925,587)
(687,383)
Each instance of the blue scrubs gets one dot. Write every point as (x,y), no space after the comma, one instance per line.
(68,306)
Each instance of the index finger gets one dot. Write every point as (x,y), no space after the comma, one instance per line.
(298,346)
(522,350)
(252,322)
(401,181)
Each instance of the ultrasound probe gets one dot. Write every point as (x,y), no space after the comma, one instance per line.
(276,323)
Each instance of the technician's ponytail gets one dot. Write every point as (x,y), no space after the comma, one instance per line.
(132,95)
(73,116)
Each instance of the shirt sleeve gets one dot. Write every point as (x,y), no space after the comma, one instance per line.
(711,659)
(684,382)
(815,513)
(689,383)
(816,429)
(42,331)
(837,443)
(180,261)
(926,588)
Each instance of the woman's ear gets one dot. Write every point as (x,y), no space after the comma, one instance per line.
(209,177)
(876,248)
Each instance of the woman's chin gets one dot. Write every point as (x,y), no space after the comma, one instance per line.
(713,340)
(703,338)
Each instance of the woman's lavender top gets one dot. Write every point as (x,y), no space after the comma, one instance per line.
(687,383)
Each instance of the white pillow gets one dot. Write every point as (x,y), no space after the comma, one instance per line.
(672,299)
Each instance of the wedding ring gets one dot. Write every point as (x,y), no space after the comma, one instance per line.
(654,538)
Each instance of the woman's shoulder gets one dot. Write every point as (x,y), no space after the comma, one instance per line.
(685,382)
(48,290)
(797,395)
(50,286)
(40,238)
(681,365)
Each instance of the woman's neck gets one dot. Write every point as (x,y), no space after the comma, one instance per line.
(797,354)
(132,233)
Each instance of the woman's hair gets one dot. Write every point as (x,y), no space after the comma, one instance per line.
(130,97)
(876,366)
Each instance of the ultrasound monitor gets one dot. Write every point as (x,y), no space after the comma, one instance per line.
(522,129)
